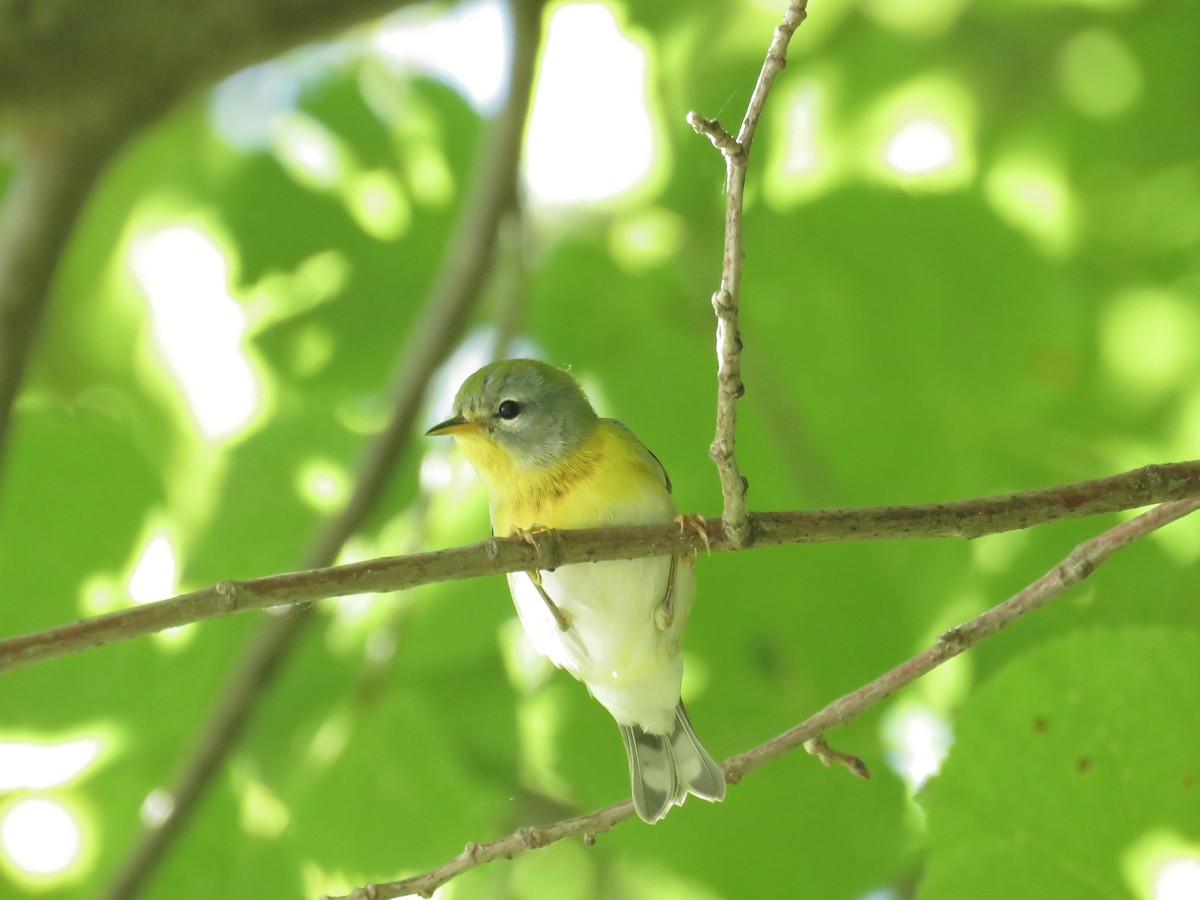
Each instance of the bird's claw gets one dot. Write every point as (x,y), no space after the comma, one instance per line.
(696,523)
(529,535)
(544,540)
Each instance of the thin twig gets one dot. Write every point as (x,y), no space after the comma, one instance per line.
(959,519)
(529,838)
(1081,562)
(819,748)
(738,524)
(446,311)
(53,178)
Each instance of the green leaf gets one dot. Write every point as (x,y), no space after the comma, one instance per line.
(1063,763)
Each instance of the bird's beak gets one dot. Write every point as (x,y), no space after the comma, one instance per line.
(457,425)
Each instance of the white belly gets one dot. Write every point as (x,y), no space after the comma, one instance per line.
(614,644)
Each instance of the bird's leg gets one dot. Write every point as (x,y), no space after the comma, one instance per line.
(535,575)
(664,616)
(560,617)
(696,523)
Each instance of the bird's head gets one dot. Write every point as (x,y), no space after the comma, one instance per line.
(519,414)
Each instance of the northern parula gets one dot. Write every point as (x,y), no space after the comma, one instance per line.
(548,461)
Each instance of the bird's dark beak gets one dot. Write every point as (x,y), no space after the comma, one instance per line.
(457,425)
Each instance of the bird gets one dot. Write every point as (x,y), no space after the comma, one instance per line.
(548,461)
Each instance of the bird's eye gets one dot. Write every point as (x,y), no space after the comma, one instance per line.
(509,409)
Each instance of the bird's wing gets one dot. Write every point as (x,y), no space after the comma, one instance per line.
(649,454)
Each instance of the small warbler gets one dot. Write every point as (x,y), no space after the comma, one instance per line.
(548,461)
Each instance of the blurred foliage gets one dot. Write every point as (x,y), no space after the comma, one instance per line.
(1085,714)
(1023,313)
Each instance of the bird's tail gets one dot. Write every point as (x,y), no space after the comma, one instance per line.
(664,769)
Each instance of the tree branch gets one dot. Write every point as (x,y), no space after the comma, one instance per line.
(726,301)
(446,310)
(134,59)
(958,519)
(1078,565)
(80,81)
(53,179)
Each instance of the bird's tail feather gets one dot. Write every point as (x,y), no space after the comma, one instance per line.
(696,769)
(664,769)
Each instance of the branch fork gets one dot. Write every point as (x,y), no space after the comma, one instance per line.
(739,527)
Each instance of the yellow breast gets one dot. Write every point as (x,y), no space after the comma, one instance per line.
(611,480)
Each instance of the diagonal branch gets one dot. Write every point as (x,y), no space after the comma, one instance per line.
(447,309)
(1078,565)
(960,519)
(53,178)
(725,301)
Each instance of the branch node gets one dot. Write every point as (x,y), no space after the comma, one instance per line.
(589,838)
(724,304)
(228,592)
(1154,473)
(532,838)
(721,139)
(739,531)
(1074,569)
(958,638)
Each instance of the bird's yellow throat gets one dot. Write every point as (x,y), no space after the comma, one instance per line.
(573,493)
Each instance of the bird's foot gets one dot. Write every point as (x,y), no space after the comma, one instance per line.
(542,538)
(696,523)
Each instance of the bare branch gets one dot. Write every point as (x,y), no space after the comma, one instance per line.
(53,179)
(135,59)
(458,288)
(80,82)
(793,16)
(738,524)
(1081,562)
(959,519)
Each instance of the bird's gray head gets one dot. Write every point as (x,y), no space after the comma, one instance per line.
(536,412)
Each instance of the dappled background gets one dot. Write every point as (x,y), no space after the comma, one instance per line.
(973,266)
